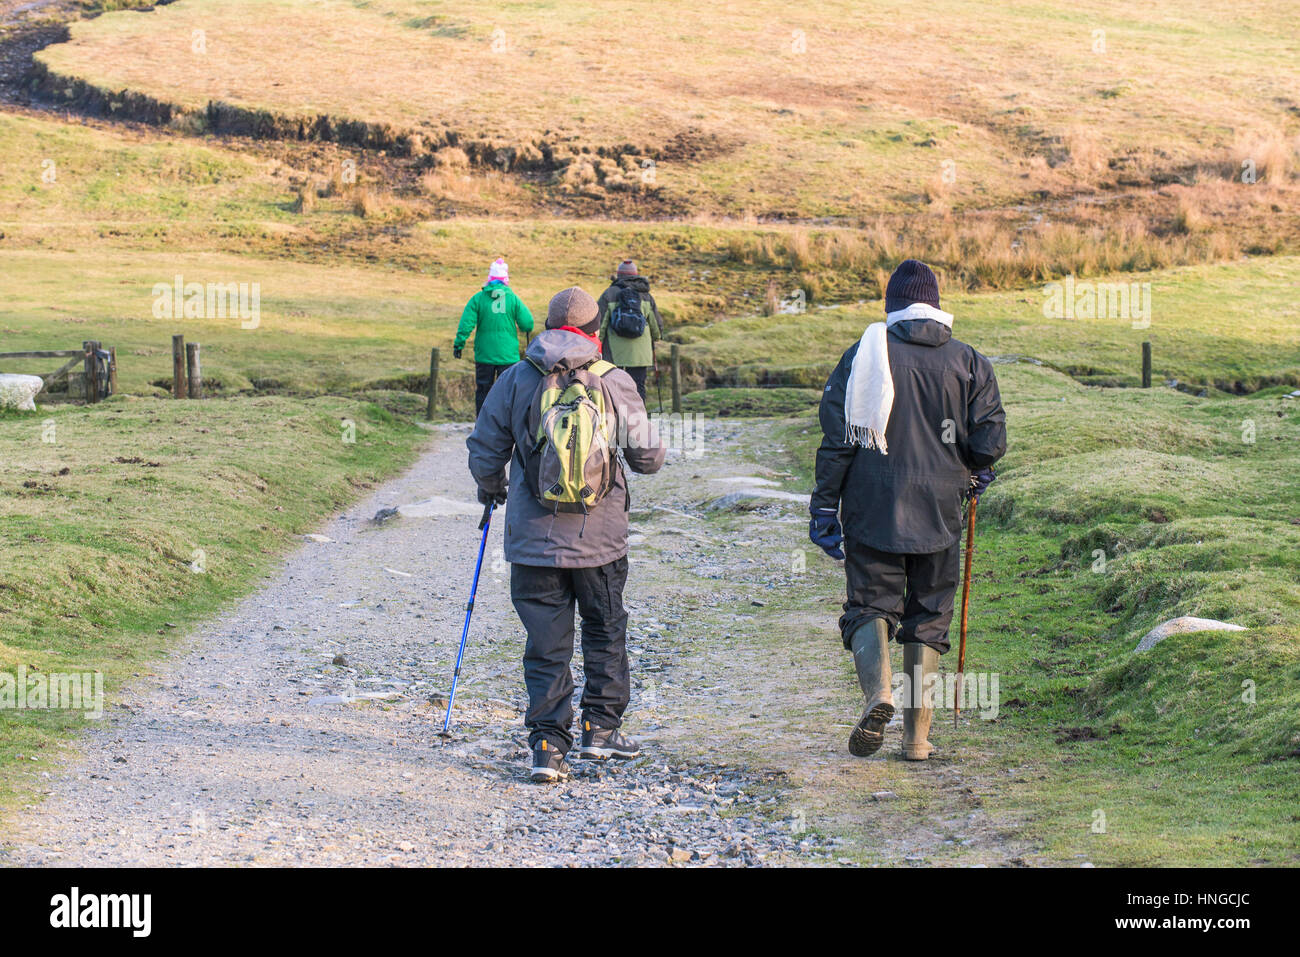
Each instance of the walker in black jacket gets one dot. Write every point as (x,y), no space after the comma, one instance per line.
(901,512)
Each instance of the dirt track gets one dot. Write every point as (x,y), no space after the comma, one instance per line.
(252,747)
(298,728)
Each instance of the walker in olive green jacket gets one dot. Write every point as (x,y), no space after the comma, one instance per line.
(630,353)
(499,316)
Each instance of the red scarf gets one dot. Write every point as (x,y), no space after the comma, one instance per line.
(584,335)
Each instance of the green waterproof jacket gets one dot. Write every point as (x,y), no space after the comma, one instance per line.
(630,353)
(499,315)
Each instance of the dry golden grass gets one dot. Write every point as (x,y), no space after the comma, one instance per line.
(1272,154)
(305,201)
(1087,154)
(766,108)
(1189,218)
(982,253)
(458,185)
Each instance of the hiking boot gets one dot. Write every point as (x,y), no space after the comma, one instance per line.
(601,743)
(919,661)
(549,766)
(870,644)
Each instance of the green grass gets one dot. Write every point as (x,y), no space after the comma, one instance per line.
(1191,520)
(126,523)
(1229,325)
(63,174)
(723,402)
(351,301)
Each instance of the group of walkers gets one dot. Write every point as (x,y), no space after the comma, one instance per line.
(630,325)
(912,424)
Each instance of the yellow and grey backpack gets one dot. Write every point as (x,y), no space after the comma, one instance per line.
(574,461)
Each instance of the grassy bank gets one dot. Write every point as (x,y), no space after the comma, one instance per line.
(1229,326)
(776,119)
(125,523)
(1226,326)
(1115,510)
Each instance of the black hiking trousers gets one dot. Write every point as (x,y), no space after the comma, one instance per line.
(544,598)
(485,376)
(914,593)
(638,374)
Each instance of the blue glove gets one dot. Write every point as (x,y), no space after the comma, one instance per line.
(825,532)
(979,481)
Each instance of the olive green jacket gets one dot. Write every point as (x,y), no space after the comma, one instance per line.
(623,352)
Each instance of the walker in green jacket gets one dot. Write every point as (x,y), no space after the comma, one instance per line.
(632,353)
(499,316)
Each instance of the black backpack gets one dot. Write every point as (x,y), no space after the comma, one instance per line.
(628,319)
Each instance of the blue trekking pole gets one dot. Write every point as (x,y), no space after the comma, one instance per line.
(469,610)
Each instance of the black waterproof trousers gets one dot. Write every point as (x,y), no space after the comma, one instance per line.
(544,598)
(485,376)
(638,374)
(914,593)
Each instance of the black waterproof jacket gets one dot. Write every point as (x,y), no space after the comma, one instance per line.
(947,421)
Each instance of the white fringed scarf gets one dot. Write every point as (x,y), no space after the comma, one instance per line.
(869,397)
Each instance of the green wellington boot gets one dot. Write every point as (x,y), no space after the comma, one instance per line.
(919,661)
(870,645)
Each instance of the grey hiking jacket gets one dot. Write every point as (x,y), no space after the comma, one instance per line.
(535,535)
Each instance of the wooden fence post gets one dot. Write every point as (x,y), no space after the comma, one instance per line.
(91,371)
(1146,365)
(434,357)
(192,370)
(112,371)
(677,378)
(178,367)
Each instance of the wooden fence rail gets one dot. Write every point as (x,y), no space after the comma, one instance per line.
(87,357)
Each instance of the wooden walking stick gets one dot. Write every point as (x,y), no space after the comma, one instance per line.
(965,606)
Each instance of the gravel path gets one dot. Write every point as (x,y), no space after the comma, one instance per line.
(300,728)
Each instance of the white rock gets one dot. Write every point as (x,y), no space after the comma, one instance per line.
(1179,626)
(748,499)
(321,700)
(19,391)
(318,538)
(437,507)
